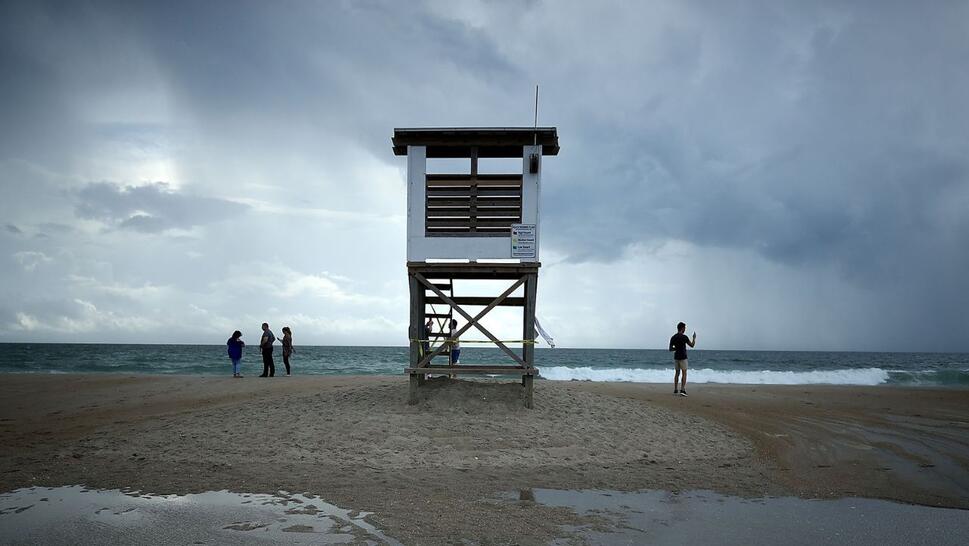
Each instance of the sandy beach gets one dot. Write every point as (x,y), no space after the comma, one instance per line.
(432,472)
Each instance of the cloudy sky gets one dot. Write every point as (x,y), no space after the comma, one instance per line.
(780,175)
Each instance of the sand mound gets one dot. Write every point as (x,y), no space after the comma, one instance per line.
(457,424)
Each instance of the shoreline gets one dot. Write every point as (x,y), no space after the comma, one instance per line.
(661,348)
(353,440)
(302,376)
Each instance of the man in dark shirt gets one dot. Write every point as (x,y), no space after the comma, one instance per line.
(266,346)
(678,343)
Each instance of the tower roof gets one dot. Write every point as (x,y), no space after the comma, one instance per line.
(490,141)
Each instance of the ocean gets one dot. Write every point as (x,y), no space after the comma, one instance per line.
(635,365)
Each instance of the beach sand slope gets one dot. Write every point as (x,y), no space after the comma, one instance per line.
(435,471)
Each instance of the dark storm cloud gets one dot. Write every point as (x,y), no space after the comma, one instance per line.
(52,56)
(151,208)
(13,229)
(843,149)
(353,68)
(821,137)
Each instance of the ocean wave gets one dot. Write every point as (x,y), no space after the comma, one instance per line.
(930,377)
(857,376)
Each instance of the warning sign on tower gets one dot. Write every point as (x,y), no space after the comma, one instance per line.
(523,241)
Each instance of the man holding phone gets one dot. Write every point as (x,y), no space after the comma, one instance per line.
(678,343)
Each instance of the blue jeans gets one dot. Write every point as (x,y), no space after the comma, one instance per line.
(235,365)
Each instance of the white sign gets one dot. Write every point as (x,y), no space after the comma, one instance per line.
(523,240)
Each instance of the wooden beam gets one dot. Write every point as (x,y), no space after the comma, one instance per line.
(509,212)
(502,232)
(434,195)
(416,319)
(473,212)
(470,221)
(528,318)
(474,321)
(477,271)
(491,304)
(428,358)
(490,141)
(459,201)
(471,321)
(528,349)
(477,300)
(512,179)
(412,389)
(496,370)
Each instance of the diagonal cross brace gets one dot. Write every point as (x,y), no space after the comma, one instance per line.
(471,321)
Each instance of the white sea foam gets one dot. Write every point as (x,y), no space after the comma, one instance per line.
(858,376)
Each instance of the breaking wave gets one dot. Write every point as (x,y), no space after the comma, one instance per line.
(857,376)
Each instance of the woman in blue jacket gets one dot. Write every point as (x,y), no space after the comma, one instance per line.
(235,351)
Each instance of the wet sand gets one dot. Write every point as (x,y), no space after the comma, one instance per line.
(76,515)
(430,472)
(903,444)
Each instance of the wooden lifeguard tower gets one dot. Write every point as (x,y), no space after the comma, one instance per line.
(490,222)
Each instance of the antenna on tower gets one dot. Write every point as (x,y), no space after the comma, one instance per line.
(533,157)
(535,134)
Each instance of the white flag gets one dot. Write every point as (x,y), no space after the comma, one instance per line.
(541,331)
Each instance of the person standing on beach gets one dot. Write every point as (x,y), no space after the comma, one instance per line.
(287,347)
(455,344)
(426,337)
(678,343)
(235,345)
(266,346)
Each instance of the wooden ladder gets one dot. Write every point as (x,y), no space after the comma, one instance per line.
(443,326)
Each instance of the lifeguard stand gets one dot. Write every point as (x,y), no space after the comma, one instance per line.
(490,222)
